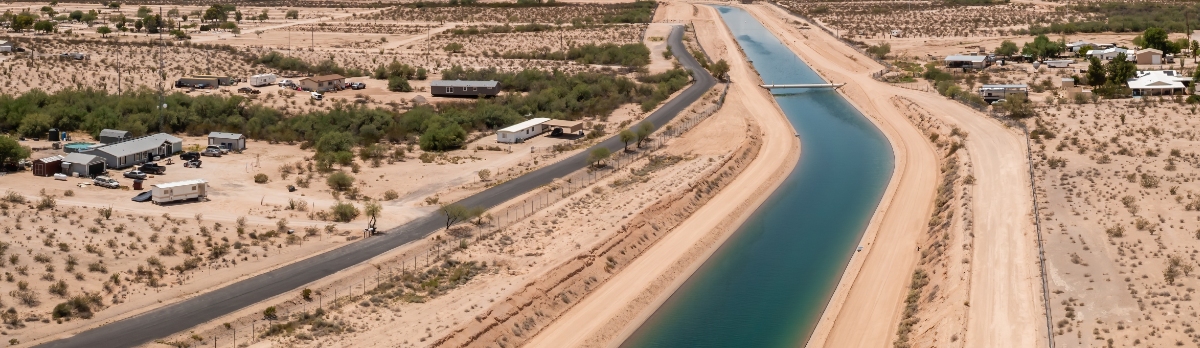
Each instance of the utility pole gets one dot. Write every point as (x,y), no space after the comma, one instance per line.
(162,103)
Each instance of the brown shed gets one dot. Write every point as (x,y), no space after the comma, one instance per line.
(47,166)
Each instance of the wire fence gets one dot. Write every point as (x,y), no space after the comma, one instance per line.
(358,289)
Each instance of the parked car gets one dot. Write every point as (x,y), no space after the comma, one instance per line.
(201,86)
(106,182)
(286,83)
(153,168)
(357,85)
(317,96)
(135,174)
(192,164)
(222,149)
(181,84)
(248,90)
(210,152)
(188,156)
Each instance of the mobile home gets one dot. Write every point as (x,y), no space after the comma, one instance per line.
(458,88)
(519,132)
(263,80)
(179,191)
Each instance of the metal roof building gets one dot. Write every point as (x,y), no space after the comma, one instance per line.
(113,136)
(460,88)
(83,165)
(138,150)
(231,141)
(519,132)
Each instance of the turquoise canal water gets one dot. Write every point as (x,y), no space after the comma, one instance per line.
(767,285)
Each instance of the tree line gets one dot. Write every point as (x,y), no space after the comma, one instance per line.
(1121,17)
(534,93)
(632,55)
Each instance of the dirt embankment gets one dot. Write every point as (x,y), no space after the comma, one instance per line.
(529,310)
(935,307)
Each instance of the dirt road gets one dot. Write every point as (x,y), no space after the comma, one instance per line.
(1004,309)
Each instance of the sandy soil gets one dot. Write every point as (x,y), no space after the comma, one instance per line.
(999,299)
(1118,183)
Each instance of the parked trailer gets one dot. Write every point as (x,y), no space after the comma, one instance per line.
(263,80)
(179,191)
(1059,63)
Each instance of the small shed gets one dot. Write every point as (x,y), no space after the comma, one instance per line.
(564,125)
(1066,82)
(519,132)
(323,83)
(459,88)
(83,165)
(231,141)
(47,166)
(113,136)
(179,191)
(1149,56)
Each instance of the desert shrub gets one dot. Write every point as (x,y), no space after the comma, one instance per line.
(340,181)
(343,212)
(260,178)
(390,195)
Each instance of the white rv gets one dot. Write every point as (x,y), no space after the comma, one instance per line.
(179,191)
(262,80)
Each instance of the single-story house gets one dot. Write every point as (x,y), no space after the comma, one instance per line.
(1066,82)
(83,165)
(991,93)
(7,46)
(323,83)
(967,62)
(459,88)
(138,150)
(1159,82)
(47,166)
(567,127)
(1078,45)
(1109,53)
(1149,56)
(519,132)
(113,136)
(232,141)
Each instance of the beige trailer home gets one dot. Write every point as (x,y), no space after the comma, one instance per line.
(179,191)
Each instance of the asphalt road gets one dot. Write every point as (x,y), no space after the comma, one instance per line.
(183,315)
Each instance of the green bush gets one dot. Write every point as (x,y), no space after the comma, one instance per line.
(343,212)
(398,84)
(340,181)
(260,178)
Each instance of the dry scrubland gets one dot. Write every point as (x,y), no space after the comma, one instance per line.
(926,19)
(1118,180)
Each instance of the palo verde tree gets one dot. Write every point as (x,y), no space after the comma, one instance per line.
(643,132)
(456,213)
(597,156)
(627,136)
(372,209)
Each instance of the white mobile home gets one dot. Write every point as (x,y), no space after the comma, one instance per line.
(1061,63)
(519,132)
(262,80)
(179,191)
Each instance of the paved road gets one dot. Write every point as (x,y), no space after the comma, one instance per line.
(197,310)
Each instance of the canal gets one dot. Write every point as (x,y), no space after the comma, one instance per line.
(767,285)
